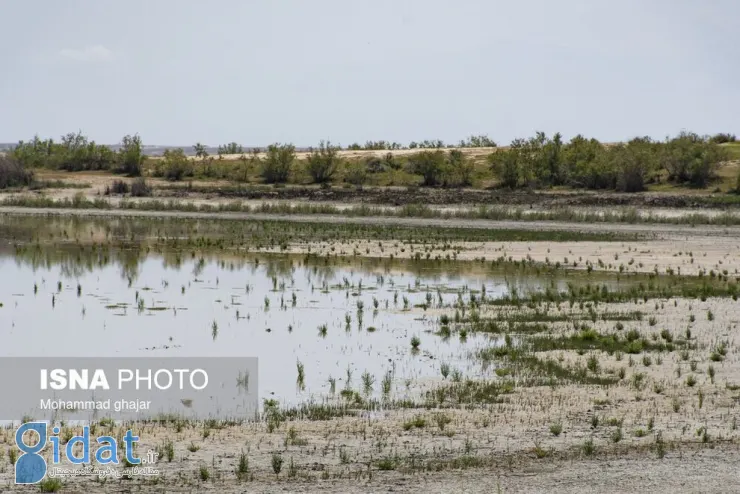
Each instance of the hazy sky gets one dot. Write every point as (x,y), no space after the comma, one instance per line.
(259,71)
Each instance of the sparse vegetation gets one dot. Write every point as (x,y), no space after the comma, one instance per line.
(518,336)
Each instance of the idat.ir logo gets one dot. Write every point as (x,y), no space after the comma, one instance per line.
(31,467)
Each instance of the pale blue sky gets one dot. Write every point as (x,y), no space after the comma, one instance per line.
(299,71)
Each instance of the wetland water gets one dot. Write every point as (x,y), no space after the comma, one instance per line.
(74,288)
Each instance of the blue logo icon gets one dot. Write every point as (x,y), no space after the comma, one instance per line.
(31,467)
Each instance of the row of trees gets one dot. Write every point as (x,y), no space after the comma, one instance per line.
(275,167)
(541,161)
(474,141)
(279,163)
(75,152)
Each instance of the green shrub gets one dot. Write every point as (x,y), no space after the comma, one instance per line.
(430,165)
(130,156)
(536,161)
(175,165)
(119,187)
(583,166)
(690,158)
(479,141)
(505,167)
(278,163)
(322,163)
(723,138)
(50,484)
(139,188)
(373,164)
(355,174)
(277,463)
(387,463)
(634,163)
(390,161)
(459,170)
(556,429)
(230,148)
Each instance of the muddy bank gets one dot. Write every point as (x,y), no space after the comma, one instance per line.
(439,196)
(647,230)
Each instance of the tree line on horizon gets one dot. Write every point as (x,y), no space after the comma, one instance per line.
(536,162)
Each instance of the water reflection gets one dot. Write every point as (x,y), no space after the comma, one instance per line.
(74,286)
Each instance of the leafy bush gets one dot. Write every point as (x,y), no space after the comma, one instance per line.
(139,188)
(690,158)
(13,174)
(119,187)
(459,170)
(278,163)
(375,146)
(230,148)
(529,162)
(581,166)
(76,153)
(427,144)
(389,160)
(356,174)
(175,165)
(429,164)
(505,166)
(479,141)
(633,164)
(130,156)
(200,150)
(723,138)
(246,164)
(322,162)
(373,164)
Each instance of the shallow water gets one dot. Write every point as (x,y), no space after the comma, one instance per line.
(105,319)
(186,302)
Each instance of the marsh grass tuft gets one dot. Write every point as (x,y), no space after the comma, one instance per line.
(277,463)
(588,447)
(50,484)
(415,342)
(242,469)
(556,429)
(300,380)
(368,380)
(387,463)
(203,473)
